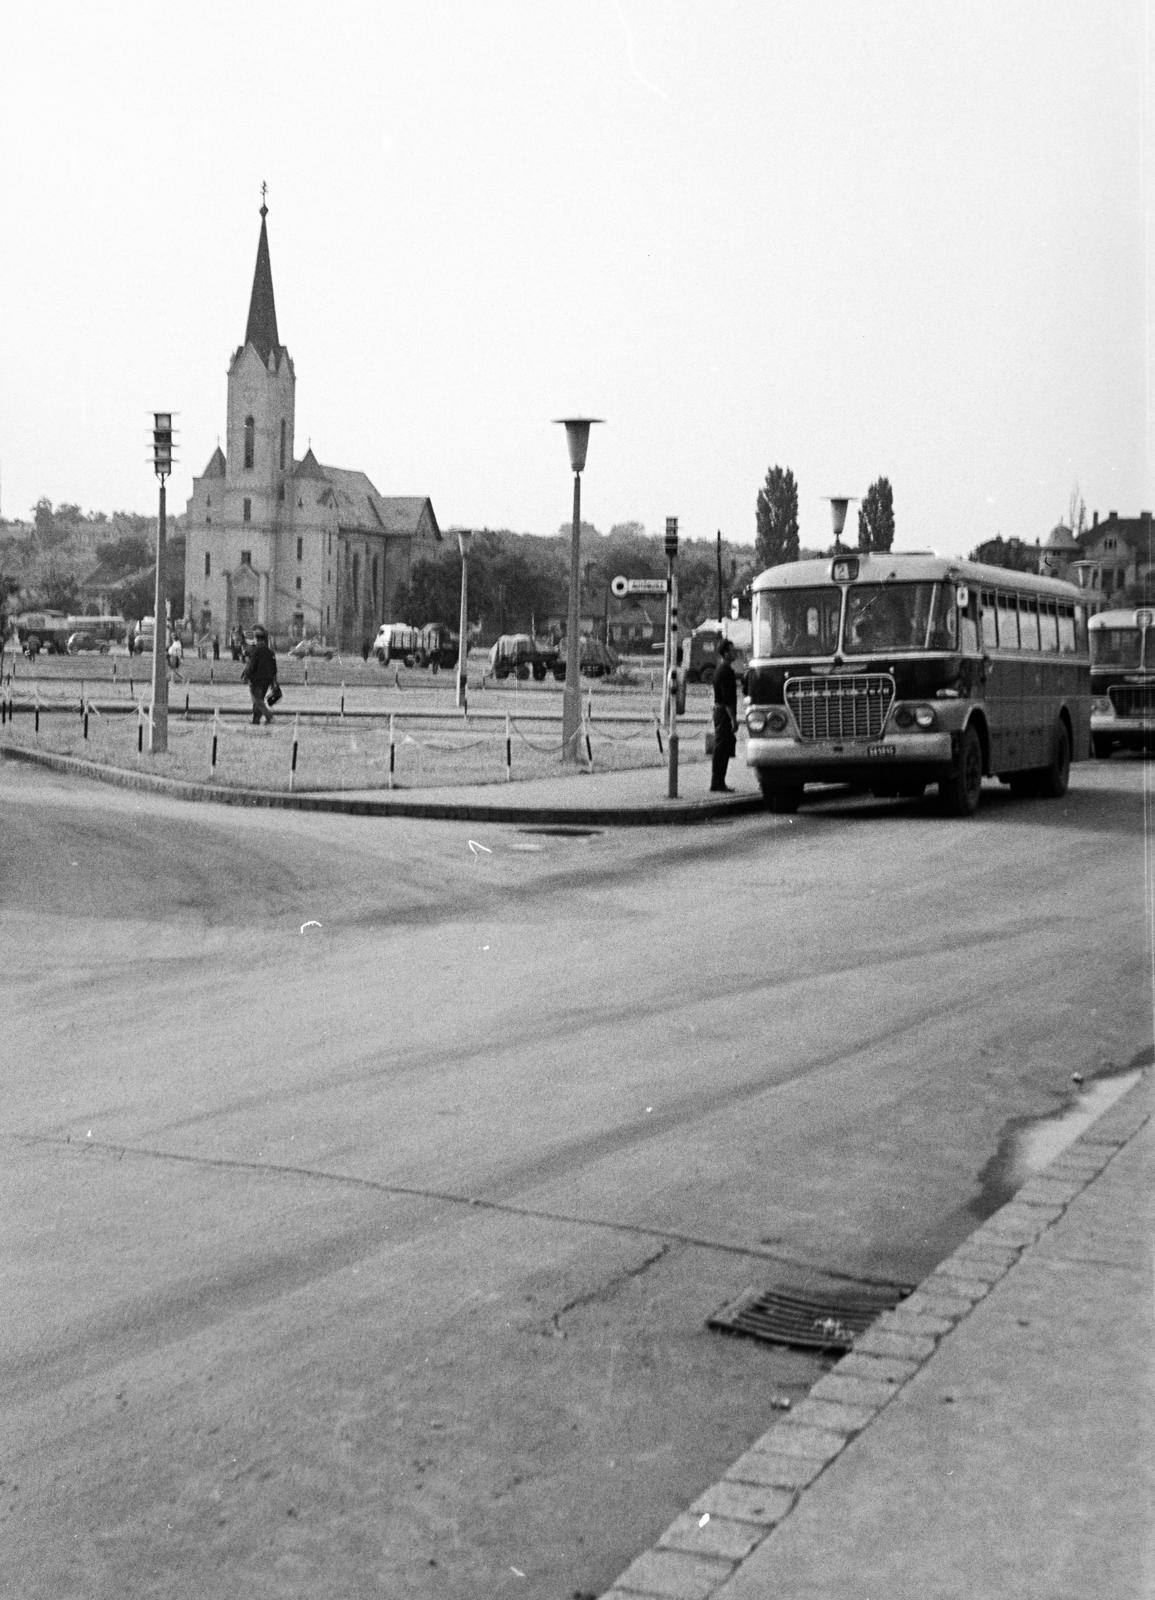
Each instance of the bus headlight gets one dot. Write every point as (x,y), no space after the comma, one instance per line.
(916,717)
(1101,705)
(766,719)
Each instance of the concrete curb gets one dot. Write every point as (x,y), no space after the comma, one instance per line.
(706,1545)
(396,804)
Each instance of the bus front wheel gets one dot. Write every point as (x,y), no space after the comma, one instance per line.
(781,798)
(960,792)
(1056,775)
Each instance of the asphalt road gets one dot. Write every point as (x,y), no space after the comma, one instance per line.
(367,1184)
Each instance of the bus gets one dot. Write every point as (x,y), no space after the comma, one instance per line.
(893,671)
(50,631)
(1122,680)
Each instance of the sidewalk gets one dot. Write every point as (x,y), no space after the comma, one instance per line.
(993,1438)
(635,797)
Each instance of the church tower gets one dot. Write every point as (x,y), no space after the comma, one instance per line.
(303,548)
(261,403)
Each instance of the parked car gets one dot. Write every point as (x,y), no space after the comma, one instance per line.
(311,647)
(86,644)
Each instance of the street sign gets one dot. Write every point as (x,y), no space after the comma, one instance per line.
(622,586)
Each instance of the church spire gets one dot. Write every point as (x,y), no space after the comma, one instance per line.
(261,331)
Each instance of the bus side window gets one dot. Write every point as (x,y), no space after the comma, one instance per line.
(990,630)
(1048,626)
(1008,622)
(1066,629)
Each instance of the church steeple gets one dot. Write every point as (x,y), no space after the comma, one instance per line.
(261,331)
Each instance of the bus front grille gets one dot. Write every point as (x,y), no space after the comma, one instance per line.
(1133,700)
(840,708)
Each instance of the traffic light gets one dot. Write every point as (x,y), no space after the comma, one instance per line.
(671,538)
(735,611)
(162,443)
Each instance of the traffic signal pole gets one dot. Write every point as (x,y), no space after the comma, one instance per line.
(162,464)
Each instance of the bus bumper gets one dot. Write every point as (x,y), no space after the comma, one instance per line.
(895,758)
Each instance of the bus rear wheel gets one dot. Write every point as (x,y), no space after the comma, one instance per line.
(781,798)
(960,792)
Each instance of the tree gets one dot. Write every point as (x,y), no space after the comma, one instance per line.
(776,538)
(1076,512)
(876,517)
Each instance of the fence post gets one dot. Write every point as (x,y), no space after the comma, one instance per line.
(293,764)
(508,752)
(392,747)
(216,731)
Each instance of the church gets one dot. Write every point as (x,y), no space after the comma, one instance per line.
(305,549)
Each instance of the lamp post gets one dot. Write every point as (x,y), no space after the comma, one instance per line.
(838,505)
(463,537)
(577,435)
(162,466)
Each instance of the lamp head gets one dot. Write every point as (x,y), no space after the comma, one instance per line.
(464,535)
(577,437)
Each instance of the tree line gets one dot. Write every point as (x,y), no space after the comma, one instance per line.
(776,538)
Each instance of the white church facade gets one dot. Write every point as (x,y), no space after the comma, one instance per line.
(304,549)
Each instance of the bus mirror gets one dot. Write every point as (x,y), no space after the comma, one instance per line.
(963,596)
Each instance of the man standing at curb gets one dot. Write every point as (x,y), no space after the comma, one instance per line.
(725,719)
(260,674)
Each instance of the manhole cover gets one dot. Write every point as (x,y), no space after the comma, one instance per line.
(830,1320)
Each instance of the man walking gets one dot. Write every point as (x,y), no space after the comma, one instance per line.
(725,719)
(260,674)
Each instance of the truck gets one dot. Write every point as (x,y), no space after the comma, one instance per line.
(520,655)
(397,641)
(700,651)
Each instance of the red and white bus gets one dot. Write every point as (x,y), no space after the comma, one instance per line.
(1123,680)
(892,671)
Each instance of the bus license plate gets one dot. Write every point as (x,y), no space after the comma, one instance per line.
(881,750)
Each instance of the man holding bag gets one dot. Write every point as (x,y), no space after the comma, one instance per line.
(261,676)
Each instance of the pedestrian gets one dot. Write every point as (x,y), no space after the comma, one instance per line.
(725,719)
(175,654)
(216,647)
(260,674)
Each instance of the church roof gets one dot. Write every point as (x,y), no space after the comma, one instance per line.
(358,504)
(261,330)
(217,465)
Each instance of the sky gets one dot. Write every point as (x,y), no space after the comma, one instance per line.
(852,238)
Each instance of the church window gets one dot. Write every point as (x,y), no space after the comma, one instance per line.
(356,580)
(250,440)
(376,577)
(208,565)
(284,435)
(248,510)
(298,583)
(300,549)
(246,558)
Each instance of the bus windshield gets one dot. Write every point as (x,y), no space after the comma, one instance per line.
(796,622)
(899,616)
(879,617)
(1117,647)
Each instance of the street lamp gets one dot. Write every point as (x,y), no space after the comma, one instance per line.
(838,505)
(162,466)
(463,537)
(577,436)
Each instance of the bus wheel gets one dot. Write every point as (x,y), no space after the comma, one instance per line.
(781,798)
(1054,778)
(1101,746)
(960,792)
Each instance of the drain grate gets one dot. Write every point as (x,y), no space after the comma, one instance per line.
(829,1321)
